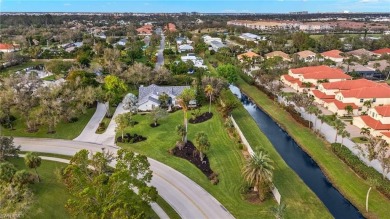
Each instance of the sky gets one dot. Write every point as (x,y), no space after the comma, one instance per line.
(208,6)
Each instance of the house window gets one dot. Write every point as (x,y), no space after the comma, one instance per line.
(361,100)
(374,100)
(360,109)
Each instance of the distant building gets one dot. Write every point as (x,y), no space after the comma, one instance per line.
(334,55)
(306,56)
(249,55)
(8,48)
(170,27)
(185,48)
(145,30)
(382,51)
(281,54)
(251,37)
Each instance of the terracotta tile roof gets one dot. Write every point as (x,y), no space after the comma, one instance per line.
(340,105)
(374,124)
(387,134)
(382,51)
(320,72)
(289,78)
(383,110)
(321,95)
(146,29)
(305,54)
(249,54)
(6,46)
(332,53)
(349,84)
(277,53)
(368,92)
(170,27)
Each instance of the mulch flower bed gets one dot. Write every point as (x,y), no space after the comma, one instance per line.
(188,153)
(202,118)
(128,138)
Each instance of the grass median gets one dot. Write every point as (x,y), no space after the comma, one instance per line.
(341,176)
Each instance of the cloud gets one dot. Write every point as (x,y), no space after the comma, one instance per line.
(66,4)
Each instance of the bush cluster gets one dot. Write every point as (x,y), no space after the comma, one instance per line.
(362,169)
(297,116)
(248,79)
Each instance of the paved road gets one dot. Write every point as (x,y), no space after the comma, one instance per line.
(160,55)
(185,196)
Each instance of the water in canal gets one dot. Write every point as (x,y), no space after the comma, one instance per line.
(300,162)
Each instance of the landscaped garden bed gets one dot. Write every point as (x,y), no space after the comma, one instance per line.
(201,118)
(128,138)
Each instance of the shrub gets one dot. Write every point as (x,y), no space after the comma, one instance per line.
(248,79)
(297,116)
(361,168)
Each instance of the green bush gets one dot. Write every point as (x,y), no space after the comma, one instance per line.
(362,169)
(248,79)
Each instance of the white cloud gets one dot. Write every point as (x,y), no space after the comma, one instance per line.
(368,1)
(67,4)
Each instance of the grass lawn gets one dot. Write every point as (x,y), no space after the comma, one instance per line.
(15,68)
(360,140)
(63,130)
(342,177)
(226,159)
(51,195)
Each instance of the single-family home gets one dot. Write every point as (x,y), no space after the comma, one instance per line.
(145,30)
(216,45)
(334,55)
(281,54)
(185,48)
(306,56)
(359,53)
(8,47)
(363,71)
(382,51)
(170,27)
(377,119)
(181,40)
(379,65)
(121,42)
(149,95)
(251,37)
(250,55)
(197,61)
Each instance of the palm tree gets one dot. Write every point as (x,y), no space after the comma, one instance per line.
(183,100)
(373,183)
(367,104)
(322,118)
(349,109)
(344,134)
(312,110)
(258,171)
(202,144)
(33,161)
(365,131)
(339,125)
(209,90)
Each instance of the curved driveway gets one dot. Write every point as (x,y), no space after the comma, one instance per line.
(185,196)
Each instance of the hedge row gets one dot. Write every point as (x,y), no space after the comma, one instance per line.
(361,168)
(297,116)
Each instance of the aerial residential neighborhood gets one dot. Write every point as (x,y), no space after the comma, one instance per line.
(169,109)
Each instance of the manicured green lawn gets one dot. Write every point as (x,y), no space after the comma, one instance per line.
(63,130)
(50,194)
(360,140)
(342,177)
(226,159)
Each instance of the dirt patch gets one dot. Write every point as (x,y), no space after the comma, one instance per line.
(202,118)
(252,197)
(189,153)
(128,138)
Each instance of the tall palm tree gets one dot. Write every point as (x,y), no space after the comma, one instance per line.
(209,90)
(344,134)
(183,100)
(339,125)
(258,171)
(365,131)
(33,161)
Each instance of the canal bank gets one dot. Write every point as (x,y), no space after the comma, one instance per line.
(342,177)
(300,162)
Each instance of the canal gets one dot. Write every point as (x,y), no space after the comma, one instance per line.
(300,162)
